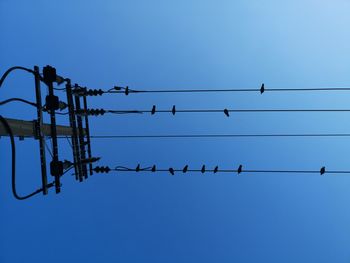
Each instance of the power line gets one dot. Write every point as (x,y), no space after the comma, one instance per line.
(165,136)
(169,136)
(262,89)
(7,72)
(174,110)
(203,170)
(224,111)
(83,91)
(18,100)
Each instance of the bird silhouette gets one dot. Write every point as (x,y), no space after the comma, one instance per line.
(323,170)
(171,170)
(216,169)
(262,89)
(203,169)
(239,169)
(173,111)
(184,170)
(227,112)
(137,168)
(153,110)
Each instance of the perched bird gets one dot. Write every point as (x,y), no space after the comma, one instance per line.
(227,112)
(239,169)
(153,110)
(127,90)
(262,89)
(203,169)
(137,168)
(323,170)
(171,170)
(173,111)
(184,170)
(216,169)
(154,168)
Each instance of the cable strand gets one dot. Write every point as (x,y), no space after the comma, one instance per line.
(7,72)
(13,163)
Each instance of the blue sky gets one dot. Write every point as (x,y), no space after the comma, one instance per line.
(188,45)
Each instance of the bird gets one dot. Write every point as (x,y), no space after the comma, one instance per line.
(153,110)
(227,112)
(262,89)
(323,170)
(154,168)
(239,169)
(171,170)
(216,169)
(137,168)
(203,169)
(184,170)
(173,111)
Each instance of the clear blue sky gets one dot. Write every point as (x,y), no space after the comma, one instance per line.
(184,218)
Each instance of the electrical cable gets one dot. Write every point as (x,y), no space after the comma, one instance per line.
(19,100)
(60,89)
(62,113)
(153,111)
(70,144)
(127,91)
(239,170)
(7,72)
(48,149)
(70,168)
(13,163)
(164,136)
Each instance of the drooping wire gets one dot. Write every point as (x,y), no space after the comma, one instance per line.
(7,72)
(13,164)
(18,100)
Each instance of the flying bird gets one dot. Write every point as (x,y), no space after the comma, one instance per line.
(173,111)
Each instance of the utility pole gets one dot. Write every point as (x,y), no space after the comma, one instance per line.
(79,134)
(77,131)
